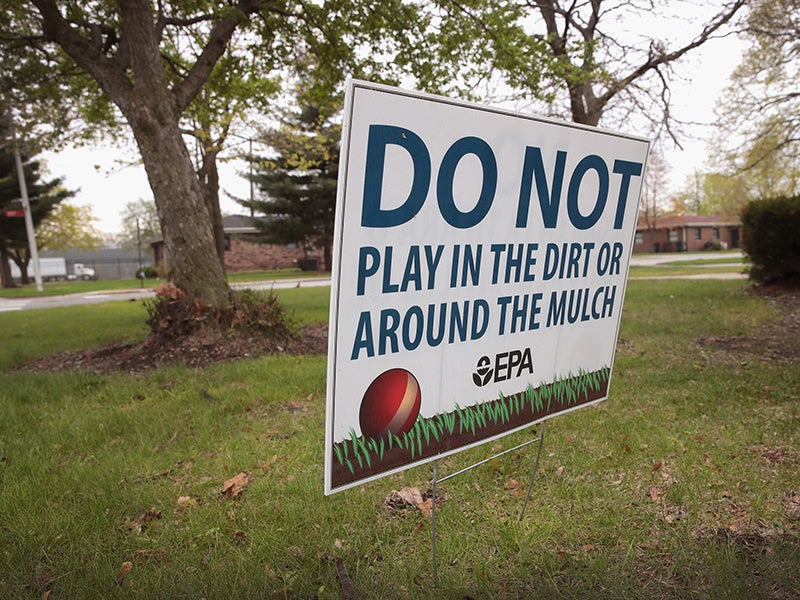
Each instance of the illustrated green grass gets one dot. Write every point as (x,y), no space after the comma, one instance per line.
(358,451)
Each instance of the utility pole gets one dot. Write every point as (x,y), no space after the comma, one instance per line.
(26,206)
(140,272)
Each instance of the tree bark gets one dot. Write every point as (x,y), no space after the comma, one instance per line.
(192,261)
(5,269)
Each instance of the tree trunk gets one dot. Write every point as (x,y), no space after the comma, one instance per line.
(209,182)
(192,262)
(5,270)
(22,259)
(135,79)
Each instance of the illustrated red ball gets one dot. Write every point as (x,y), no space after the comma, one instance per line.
(390,404)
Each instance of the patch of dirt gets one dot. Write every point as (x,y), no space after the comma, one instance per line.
(779,341)
(198,350)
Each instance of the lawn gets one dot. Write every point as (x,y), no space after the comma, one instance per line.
(685,483)
(57,288)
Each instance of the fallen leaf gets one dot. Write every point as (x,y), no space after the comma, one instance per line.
(656,466)
(151,515)
(407,497)
(512,484)
(123,571)
(234,487)
(157,555)
(654,493)
(43,579)
(239,536)
(186,501)
(426,507)
(264,464)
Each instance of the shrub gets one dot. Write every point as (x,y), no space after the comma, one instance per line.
(771,240)
(148,272)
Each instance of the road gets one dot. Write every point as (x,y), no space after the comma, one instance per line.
(11,304)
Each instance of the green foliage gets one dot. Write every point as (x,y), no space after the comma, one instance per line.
(298,185)
(759,114)
(771,241)
(139,223)
(69,226)
(148,272)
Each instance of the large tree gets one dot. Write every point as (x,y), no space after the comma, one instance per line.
(139,223)
(125,49)
(759,114)
(69,226)
(593,62)
(156,62)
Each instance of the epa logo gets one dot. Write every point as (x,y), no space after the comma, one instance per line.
(505,366)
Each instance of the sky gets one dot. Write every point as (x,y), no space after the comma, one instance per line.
(108,177)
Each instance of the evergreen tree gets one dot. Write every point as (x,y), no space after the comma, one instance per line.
(43,196)
(298,185)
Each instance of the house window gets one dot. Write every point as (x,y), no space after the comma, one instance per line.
(639,239)
(716,233)
(227,243)
(673,235)
(698,233)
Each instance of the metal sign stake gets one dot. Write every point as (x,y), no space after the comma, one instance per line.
(539,438)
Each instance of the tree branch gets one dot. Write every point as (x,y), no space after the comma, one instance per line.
(89,57)
(658,57)
(185,91)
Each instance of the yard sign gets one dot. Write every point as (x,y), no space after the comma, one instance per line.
(480,261)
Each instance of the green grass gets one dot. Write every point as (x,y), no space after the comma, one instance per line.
(57,288)
(31,334)
(735,259)
(668,270)
(683,484)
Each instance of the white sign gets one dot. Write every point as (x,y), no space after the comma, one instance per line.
(480,261)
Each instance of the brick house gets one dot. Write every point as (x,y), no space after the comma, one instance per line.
(244,251)
(687,233)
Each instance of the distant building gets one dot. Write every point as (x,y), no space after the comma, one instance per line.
(688,234)
(108,263)
(244,250)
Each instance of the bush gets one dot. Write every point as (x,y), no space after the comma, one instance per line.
(148,273)
(771,240)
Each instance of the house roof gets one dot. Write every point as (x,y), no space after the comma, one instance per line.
(239,224)
(673,222)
